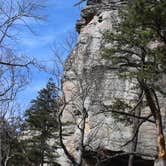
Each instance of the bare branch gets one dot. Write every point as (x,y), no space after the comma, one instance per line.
(129,114)
(137,130)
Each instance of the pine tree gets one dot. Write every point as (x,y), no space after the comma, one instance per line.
(138,49)
(41,119)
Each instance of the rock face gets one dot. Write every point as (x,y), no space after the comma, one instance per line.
(91,83)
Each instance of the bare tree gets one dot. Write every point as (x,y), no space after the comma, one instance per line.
(75,104)
(14,67)
(11,122)
(72,103)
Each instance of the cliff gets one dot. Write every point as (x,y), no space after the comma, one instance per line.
(91,84)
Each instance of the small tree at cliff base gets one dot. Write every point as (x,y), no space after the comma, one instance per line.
(138,49)
(41,121)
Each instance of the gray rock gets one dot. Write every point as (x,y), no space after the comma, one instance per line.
(156,163)
(99,79)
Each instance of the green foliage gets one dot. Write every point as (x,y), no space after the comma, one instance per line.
(41,121)
(120,106)
(139,40)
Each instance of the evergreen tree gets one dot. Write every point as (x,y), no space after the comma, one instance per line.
(42,122)
(139,49)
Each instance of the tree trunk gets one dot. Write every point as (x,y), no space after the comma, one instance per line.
(131,160)
(154,107)
(80,143)
(42,151)
(6,160)
(42,158)
(161,143)
(134,142)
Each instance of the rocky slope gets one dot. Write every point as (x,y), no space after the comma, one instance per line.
(91,84)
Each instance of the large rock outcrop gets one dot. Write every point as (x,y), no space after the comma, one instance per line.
(91,83)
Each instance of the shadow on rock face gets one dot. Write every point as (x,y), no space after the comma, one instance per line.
(121,161)
(103,158)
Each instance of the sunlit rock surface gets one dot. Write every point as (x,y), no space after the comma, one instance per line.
(86,70)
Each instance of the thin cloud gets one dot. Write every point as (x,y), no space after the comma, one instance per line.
(37,41)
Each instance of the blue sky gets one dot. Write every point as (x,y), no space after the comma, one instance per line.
(61,18)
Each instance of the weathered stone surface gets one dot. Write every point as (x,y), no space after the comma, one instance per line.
(99,79)
(156,163)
